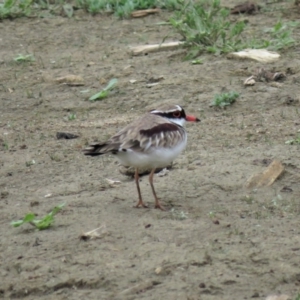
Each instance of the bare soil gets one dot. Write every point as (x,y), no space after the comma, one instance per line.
(234,243)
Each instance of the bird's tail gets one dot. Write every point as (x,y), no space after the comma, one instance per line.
(94,149)
(99,149)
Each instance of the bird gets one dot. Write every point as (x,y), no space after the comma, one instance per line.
(151,141)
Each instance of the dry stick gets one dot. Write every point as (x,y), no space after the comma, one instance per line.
(144,12)
(145,49)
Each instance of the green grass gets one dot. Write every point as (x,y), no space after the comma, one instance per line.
(205,26)
(123,8)
(197,62)
(225,99)
(41,224)
(15,8)
(295,141)
(24,58)
(280,35)
(72,116)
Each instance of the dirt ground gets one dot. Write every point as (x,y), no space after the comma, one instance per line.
(217,240)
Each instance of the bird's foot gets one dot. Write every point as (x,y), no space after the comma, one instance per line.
(158,205)
(141,203)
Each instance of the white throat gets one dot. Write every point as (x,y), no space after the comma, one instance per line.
(180,122)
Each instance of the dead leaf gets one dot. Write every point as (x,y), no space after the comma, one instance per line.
(249,81)
(163,172)
(132,80)
(112,182)
(72,80)
(97,233)
(263,74)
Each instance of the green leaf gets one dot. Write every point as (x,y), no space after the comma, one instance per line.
(99,96)
(8,3)
(42,224)
(56,209)
(104,93)
(17,223)
(28,218)
(197,62)
(111,84)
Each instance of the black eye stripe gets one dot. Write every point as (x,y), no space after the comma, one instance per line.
(172,115)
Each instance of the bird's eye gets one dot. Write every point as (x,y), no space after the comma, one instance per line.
(176,114)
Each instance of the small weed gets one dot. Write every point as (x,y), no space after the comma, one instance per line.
(42,224)
(197,62)
(24,58)
(295,141)
(5,145)
(105,92)
(29,94)
(248,199)
(54,157)
(30,163)
(71,117)
(280,35)
(178,215)
(212,214)
(206,27)
(225,99)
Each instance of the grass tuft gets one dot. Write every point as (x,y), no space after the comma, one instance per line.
(15,8)
(123,8)
(205,26)
(225,99)
(24,58)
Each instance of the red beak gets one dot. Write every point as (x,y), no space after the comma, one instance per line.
(190,118)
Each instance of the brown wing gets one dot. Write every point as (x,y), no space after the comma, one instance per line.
(148,131)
